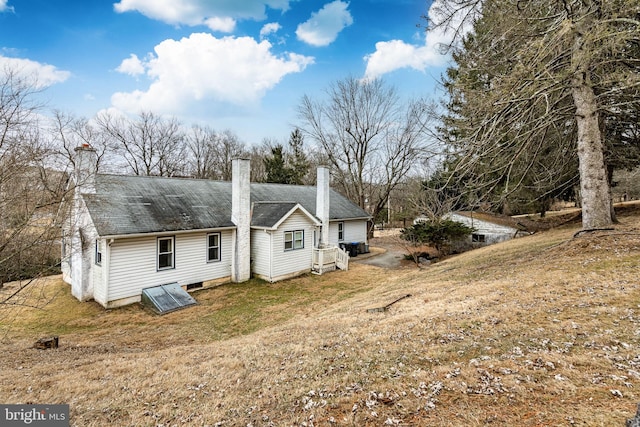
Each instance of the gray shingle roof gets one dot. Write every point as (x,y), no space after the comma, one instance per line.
(142,204)
(267,214)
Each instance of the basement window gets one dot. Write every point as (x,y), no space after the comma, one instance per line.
(478,238)
(166,298)
(196,285)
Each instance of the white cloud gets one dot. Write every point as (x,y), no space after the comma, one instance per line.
(272,27)
(323,26)
(396,54)
(132,66)
(4,6)
(217,15)
(224,25)
(42,75)
(234,70)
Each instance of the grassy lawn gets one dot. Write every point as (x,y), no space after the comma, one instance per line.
(542,330)
(223,312)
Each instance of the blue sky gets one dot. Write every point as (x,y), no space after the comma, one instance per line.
(241,65)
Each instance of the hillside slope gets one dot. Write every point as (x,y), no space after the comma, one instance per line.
(542,330)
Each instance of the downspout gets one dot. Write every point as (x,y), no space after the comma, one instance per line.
(107,268)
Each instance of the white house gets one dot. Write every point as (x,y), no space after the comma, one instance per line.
(128,233)
(489,228)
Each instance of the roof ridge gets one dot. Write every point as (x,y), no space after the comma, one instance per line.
(176,178)
(274,201)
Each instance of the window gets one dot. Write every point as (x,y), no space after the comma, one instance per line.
(196,285)
(98,258)
(477,238)
(213,247)
(340,231)
(293,240)
(165,252)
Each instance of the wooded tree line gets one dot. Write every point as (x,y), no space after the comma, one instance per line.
(30,192)
(369,138)
(153,145)
(543,101)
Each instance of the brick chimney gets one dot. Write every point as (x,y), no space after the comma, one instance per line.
(241,217)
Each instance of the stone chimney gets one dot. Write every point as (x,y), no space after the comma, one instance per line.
(241,217)
(86,168)
(322,204)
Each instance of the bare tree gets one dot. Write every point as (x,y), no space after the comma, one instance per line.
(150,145)
(369,137)
(229,147)
(257,155)
(30,193)
(211,152)
(201,146)
(69,132)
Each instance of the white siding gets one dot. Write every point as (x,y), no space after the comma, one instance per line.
(483,227)
(354,231)
(133,263)
(261,252)
(493,233)
(285,263)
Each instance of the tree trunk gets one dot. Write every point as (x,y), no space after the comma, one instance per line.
(594,186)
(610,170)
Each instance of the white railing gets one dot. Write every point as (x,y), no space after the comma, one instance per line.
(342,259)
(327,259)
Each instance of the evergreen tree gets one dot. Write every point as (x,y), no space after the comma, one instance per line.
(297,159)
(439,233)
(535,90)
(276,168)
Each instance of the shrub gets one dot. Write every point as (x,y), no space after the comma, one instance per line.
(439,234)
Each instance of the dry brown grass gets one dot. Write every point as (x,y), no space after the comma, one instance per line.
(538,331)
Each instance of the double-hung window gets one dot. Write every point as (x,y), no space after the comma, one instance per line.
(293,240)
(340,231)
(213,247)
(166,253)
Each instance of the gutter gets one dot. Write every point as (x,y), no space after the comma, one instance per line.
(166,232)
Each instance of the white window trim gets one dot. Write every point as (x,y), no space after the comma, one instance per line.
(341,231)
(219,247)
(293,240)
(172,252)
